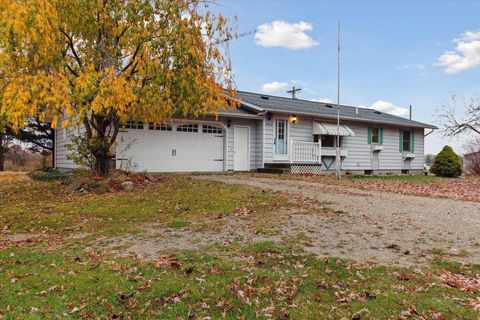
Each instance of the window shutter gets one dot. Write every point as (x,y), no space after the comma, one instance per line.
(412,141)
(381,135)
(401,141)
(369,135)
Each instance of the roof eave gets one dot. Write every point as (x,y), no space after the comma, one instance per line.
(240,115)
(321,116)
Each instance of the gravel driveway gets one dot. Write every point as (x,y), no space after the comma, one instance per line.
(376,226)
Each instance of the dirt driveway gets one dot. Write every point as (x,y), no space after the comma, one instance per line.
(375,226)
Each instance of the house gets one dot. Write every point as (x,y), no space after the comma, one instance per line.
(268,132)
(471,162)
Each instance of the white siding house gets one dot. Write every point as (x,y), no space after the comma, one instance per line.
(267,133)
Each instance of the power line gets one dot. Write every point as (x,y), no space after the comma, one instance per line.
(237,36)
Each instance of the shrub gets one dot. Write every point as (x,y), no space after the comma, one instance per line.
(447,164)
(48,176)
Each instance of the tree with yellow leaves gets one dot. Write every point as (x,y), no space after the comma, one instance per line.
(101,63)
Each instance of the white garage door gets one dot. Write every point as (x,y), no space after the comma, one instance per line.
(171,148)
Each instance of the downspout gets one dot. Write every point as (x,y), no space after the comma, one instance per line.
(428,133)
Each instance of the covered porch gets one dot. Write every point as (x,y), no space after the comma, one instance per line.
(324,144)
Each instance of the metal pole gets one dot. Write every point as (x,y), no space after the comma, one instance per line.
(337,156)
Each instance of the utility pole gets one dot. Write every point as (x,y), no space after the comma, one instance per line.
(338,158)
(294,91)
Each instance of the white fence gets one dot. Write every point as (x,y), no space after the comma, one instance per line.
(305,152)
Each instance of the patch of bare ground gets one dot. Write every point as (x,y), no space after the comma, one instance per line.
(382,227)
(241,228)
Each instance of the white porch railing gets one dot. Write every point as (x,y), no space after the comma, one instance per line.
(305,152)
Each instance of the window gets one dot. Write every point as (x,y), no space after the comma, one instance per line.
(134,125)
(211,129)
(187,128)
(375,135)
(406,140)
(160,127)
(327,141)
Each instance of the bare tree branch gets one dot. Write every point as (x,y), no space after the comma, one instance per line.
(72,47)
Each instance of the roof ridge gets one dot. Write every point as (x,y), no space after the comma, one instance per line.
(363,112)
(319,102)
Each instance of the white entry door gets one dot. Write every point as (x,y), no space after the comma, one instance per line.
(281,139)
(241,157)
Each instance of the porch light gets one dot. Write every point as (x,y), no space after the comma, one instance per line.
(293,118)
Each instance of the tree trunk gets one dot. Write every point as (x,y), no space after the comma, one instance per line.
(100,149)
(54,141)
(102,166)
(2,157)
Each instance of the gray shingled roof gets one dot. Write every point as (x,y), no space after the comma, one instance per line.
(320,109)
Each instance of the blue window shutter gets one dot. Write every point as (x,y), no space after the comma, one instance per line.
(412,141)
(369,135)
(401,140)
(381,135)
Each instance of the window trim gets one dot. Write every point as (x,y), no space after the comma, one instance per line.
(411,140)
(379,135)
(160,127)
(193,126)
(211,129)
(135,125)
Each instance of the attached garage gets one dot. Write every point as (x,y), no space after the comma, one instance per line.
(175,147)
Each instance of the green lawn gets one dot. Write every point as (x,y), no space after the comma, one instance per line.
(35,206)
(262,281)
(69,277)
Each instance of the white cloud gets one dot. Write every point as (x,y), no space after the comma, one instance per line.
(325,100)
(274,86)
(388,107)
(420,68)
(283,34)
(465,56)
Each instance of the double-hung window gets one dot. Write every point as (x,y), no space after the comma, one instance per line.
(375,135)
(407,140)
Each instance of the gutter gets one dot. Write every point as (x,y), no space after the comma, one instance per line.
(245,116)
(353,119)
(429,133)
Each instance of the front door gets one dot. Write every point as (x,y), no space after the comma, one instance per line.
(281,139)
(240,149)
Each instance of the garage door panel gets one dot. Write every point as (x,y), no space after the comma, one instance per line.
(151,150)
(160,138)
(158,151)
(159,164)
(187,139)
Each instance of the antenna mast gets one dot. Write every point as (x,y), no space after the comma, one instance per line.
(338,158)
(294,91)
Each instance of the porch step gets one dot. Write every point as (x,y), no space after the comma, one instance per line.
(273,170)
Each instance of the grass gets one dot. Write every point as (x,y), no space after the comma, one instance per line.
(263,281)
(73,278)
(35,206)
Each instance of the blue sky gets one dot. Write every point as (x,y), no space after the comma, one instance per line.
(390,53)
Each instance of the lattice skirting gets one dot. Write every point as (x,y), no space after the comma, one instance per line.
(305,169)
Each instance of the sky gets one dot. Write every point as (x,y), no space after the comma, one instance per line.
(393,54)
